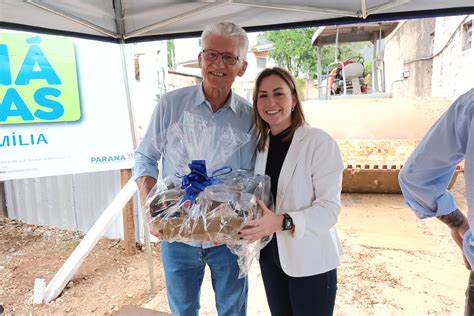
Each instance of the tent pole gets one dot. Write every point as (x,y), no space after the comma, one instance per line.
(364,9)
(121,28)
(125,175)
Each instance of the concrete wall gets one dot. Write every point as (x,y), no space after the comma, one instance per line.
(177,80)
(407,57)
(453,66)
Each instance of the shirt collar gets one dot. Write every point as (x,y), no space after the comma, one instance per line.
(201,98)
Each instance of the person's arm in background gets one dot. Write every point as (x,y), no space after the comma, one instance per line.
(425,177)
(457,222)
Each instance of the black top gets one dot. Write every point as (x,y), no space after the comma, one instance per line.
(277,151)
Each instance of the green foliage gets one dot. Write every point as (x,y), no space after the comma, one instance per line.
(345,51)
(170,47)
(368,66)
(300,86)
(292,50)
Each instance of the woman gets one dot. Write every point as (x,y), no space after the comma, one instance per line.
(299,265)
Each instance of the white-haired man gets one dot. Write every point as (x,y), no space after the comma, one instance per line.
(221,60)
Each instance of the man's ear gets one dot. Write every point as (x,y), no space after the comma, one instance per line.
(242,68)
(200,59)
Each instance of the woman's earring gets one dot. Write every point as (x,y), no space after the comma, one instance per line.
(292,109)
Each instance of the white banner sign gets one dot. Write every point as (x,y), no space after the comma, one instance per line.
(63,107)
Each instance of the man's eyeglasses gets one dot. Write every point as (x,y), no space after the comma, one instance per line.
(227,58)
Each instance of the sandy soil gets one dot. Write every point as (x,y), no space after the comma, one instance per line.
(394,264)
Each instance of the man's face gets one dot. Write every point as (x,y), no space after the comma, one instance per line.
(218,74)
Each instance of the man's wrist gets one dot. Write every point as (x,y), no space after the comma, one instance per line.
(145,184)
(455,220)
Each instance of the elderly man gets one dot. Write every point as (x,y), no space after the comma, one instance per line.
(221,60)
(425,177)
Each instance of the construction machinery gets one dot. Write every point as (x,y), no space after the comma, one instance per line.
(377,179)
(376,133)
(347,77)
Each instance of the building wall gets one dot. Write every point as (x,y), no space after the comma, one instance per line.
(407,58)
(186,49)
(453,66)
(177,80)
(146,89)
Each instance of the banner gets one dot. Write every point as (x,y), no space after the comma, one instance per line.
(63,107)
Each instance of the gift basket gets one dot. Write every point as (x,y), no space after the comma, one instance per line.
(206,201)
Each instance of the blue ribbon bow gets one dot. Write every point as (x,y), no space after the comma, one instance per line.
(197,180)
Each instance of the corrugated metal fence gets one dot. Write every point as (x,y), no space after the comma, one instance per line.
(72,202)
(3,205)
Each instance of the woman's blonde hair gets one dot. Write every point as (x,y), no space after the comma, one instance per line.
(297,115)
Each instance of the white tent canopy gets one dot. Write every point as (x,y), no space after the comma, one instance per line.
(138,20)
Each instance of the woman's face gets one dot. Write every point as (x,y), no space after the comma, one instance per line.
(274,103)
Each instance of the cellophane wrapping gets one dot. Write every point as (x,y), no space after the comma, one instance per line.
(216,206)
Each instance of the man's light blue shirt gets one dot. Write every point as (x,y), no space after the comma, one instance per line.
(172,108)
(425,177)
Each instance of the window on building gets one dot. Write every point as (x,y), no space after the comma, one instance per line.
(467,35)
(261,62)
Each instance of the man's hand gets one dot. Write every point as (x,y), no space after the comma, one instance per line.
(145,184)
(457,222)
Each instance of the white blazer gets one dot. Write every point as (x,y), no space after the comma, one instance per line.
(309,190)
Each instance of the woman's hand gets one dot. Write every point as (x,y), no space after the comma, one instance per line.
(264,226)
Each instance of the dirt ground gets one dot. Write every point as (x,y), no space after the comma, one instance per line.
(394,264)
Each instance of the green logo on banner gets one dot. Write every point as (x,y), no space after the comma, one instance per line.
(38,79)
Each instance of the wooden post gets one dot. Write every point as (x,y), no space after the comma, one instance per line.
(128,217)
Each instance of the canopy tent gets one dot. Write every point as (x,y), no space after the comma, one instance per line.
(127,21)
(140,20)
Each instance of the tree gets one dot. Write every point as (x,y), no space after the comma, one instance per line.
(170,48)
(292,50)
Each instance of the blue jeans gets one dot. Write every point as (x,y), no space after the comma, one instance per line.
(184,271)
